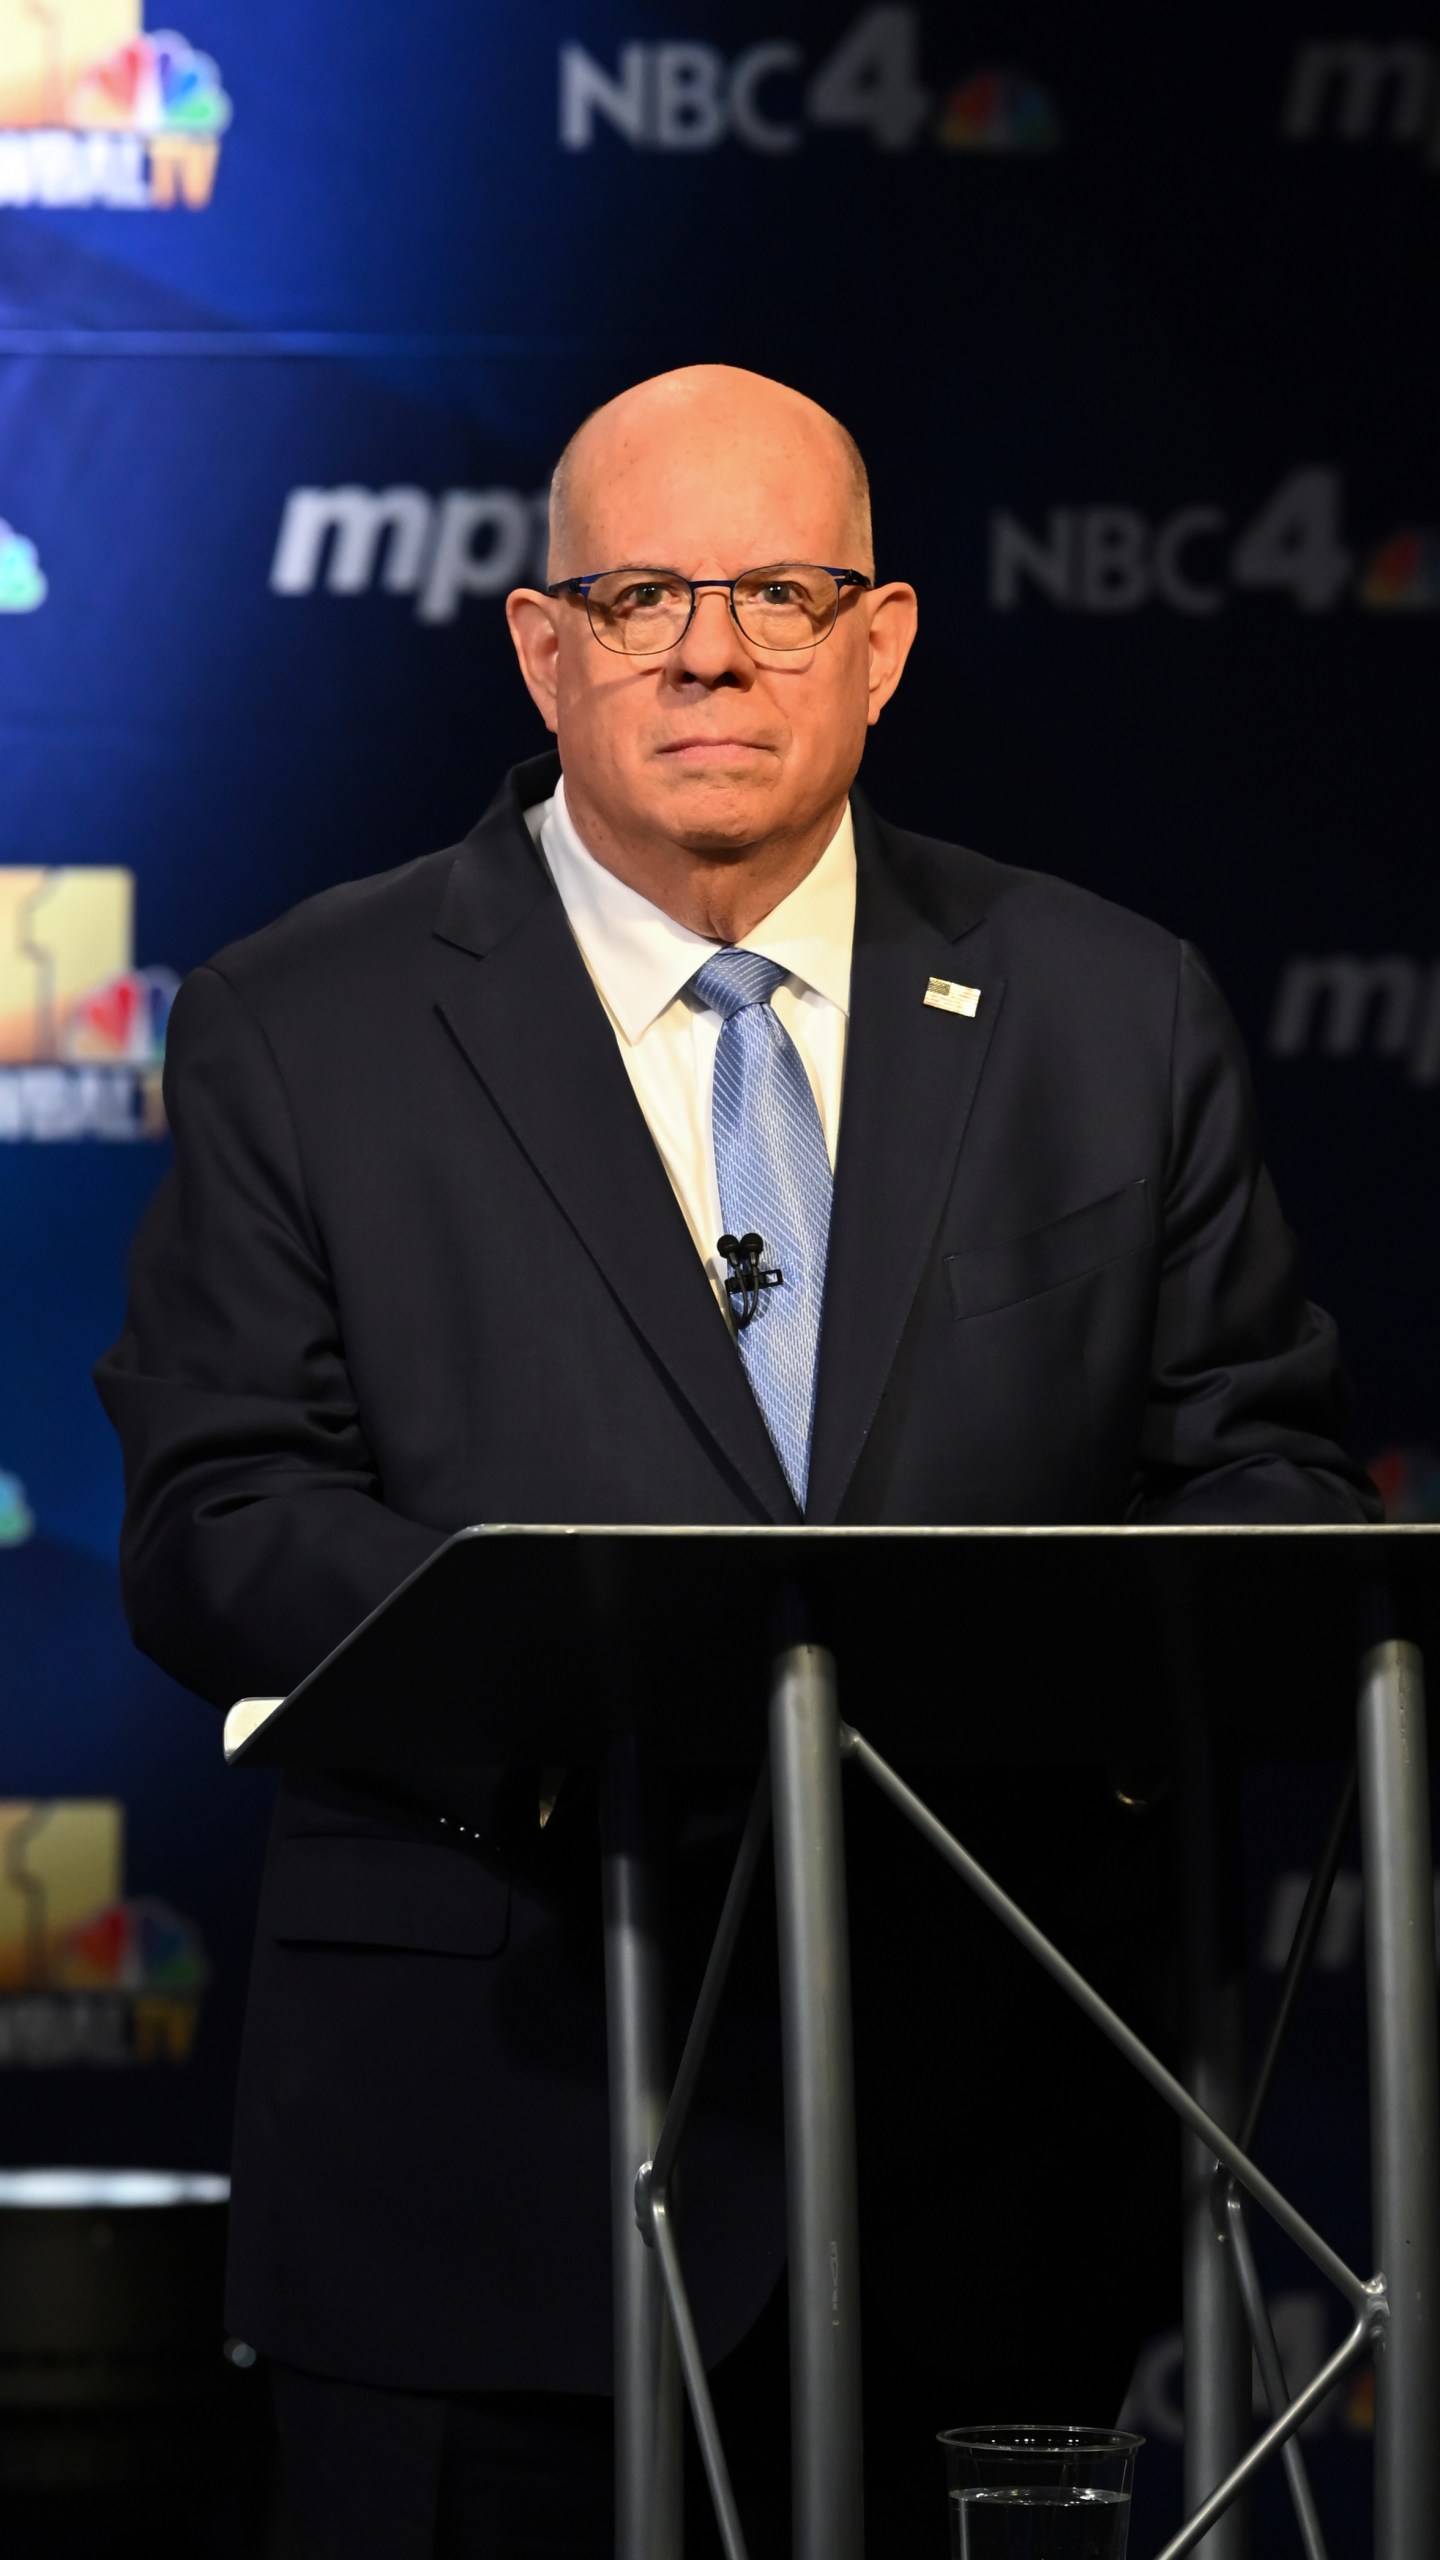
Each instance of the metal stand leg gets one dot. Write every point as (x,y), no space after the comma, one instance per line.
(648,2499)
(1366,2299)
(1405,2111)
(819,2108)
(1217,2344)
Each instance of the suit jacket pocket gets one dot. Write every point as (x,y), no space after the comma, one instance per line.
(991,1276)
(341,1891)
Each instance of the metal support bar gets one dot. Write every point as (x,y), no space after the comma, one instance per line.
(655,2223)
(717,1968)
(1297,1963)
(1217,2349)
(1272,2372)
(1404,2107)
(649,2521)
(1271,2441)
(1360,2295)
(827,2474)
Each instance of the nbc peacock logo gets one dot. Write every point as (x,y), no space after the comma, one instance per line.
(1403,574)
(17,1520)
(23,584)
(96,111)
(88,1974)
(999,111)
(82,1030)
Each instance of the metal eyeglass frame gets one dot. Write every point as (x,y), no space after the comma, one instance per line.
(581,587)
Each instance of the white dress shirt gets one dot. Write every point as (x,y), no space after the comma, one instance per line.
(641,961)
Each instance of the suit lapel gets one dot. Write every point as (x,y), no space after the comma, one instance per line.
(911,1075)
(533,1029)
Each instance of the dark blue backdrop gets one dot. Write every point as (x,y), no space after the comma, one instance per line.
(1134,321)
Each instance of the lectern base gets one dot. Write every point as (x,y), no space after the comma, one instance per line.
(1393,2313)
(1063,1629)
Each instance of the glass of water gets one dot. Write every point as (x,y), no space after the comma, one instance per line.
(1039,2493)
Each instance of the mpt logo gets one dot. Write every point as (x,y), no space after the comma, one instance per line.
(467,542)
(1115,560)
(687,96)
(1354,90)
(1344,1007)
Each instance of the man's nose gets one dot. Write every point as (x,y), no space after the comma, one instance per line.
(712,648)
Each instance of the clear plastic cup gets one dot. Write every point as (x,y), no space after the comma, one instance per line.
(1039,2493)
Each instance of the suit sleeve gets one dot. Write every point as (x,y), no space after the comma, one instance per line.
(1248,1403)
(255,1535)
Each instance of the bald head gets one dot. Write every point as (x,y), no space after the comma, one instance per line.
(709,772)
(711,425)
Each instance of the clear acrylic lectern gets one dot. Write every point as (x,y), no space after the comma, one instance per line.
(1128,1646)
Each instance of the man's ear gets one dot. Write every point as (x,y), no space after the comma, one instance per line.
(894,614)
(535,629)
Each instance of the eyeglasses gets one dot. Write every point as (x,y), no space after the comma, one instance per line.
(640,612)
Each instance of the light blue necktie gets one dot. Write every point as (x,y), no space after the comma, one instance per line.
(775,1182)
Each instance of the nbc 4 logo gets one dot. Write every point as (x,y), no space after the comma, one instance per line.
(687,96)
(93,111)
(1115,560)
(82,1031)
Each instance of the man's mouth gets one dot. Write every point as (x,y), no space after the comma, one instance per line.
(707,750)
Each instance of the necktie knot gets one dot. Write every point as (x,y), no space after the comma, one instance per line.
(733,980)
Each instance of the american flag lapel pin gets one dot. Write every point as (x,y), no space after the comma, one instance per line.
(949,997)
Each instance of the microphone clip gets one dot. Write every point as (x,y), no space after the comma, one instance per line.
(744,1277)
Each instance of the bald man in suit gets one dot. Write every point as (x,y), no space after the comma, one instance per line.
(455,1148)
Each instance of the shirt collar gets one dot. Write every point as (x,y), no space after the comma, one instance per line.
(640,958)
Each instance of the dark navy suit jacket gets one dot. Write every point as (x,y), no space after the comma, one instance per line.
(418,1264)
